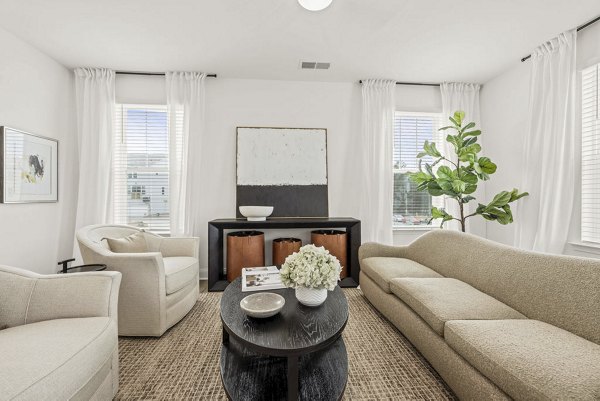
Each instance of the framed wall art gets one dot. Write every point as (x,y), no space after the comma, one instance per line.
(28,167)
(285,168)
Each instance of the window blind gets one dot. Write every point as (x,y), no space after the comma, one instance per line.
(590,155)
(141,167)
(411,130)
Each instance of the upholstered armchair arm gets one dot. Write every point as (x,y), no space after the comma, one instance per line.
(74,295)
(178,246)
(372,249)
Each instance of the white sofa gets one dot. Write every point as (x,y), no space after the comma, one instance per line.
(159,287)
(496,322)
(58,335)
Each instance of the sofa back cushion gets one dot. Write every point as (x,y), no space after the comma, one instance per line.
(560,290)
(134,243)
(97,233)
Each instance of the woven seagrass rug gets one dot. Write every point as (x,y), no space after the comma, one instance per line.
(184,363)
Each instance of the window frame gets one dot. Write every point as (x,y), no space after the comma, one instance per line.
(436,201)
(132,173)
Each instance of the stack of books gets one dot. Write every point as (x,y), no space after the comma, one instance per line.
(261,278)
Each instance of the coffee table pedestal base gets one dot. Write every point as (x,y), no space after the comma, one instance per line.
(321,375)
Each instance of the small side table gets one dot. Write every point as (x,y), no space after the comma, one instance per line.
(79,269)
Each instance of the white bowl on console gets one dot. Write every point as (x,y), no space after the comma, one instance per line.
(256,213)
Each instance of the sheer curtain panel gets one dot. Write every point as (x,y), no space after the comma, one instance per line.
(549,156)
(95,100)
(185,98)
(460,96)
(378,176)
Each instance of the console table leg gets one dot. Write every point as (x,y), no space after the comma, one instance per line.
(292,378)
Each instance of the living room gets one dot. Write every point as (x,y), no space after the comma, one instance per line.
(416,182)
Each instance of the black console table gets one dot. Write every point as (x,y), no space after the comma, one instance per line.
(216,278)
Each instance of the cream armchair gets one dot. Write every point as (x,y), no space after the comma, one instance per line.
(159,287)
(58,335)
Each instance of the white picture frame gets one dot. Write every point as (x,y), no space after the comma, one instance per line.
(28,167)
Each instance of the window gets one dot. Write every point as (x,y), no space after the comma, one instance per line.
(411,130)
(141,167)
(590,155)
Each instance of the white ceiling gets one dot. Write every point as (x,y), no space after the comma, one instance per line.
(407,40)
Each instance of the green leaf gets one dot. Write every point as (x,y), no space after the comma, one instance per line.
(515,195)
(466,127)
(419,177)
(467,199)
(458,186)
(472,133)
(469,178)
(459,116)
(501,199)
(446,173)
(437,213)
(469,141)
(447,127)
(470,189)
(455,122)
(434,189)
(420,155)
(486,165)
(435,152)
(445,185)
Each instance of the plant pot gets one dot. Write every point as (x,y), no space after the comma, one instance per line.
(284,247)
(311,296)
(336,242)
(244,249)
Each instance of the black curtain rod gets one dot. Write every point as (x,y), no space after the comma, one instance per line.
(411,83)
(152,73)
(579,28)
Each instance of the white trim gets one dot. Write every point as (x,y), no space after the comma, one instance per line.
(416,228)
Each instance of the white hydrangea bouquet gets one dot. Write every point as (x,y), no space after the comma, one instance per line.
(311,271)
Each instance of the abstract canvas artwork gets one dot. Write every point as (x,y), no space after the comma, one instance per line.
(285,168)
(29,167)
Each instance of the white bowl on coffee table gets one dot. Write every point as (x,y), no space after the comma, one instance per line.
(262,304)
(256,213)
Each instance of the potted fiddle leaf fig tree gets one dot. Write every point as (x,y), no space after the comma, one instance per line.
(457,176)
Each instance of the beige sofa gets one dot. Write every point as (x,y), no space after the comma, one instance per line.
(159,287)
(58,335)
(495,322)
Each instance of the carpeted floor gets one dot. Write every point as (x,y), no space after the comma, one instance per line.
(184,363)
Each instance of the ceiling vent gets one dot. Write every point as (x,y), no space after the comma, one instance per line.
(313,65)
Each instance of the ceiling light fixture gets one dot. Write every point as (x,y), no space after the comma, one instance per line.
(315,5)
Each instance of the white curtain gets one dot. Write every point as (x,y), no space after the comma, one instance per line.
(459,96)
(185,99)
(549,154)
(95,100)
(377,143)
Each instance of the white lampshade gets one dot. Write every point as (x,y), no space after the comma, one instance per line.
(315,5)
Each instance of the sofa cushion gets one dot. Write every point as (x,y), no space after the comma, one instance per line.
(53,359)
(382,270)
(438,300)
(528,358)
(179,271)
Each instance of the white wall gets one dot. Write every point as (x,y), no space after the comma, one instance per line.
(504,108)
(236,102)
(37,96)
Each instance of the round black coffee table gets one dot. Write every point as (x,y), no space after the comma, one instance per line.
(298,354)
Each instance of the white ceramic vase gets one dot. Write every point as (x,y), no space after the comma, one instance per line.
(311,296)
